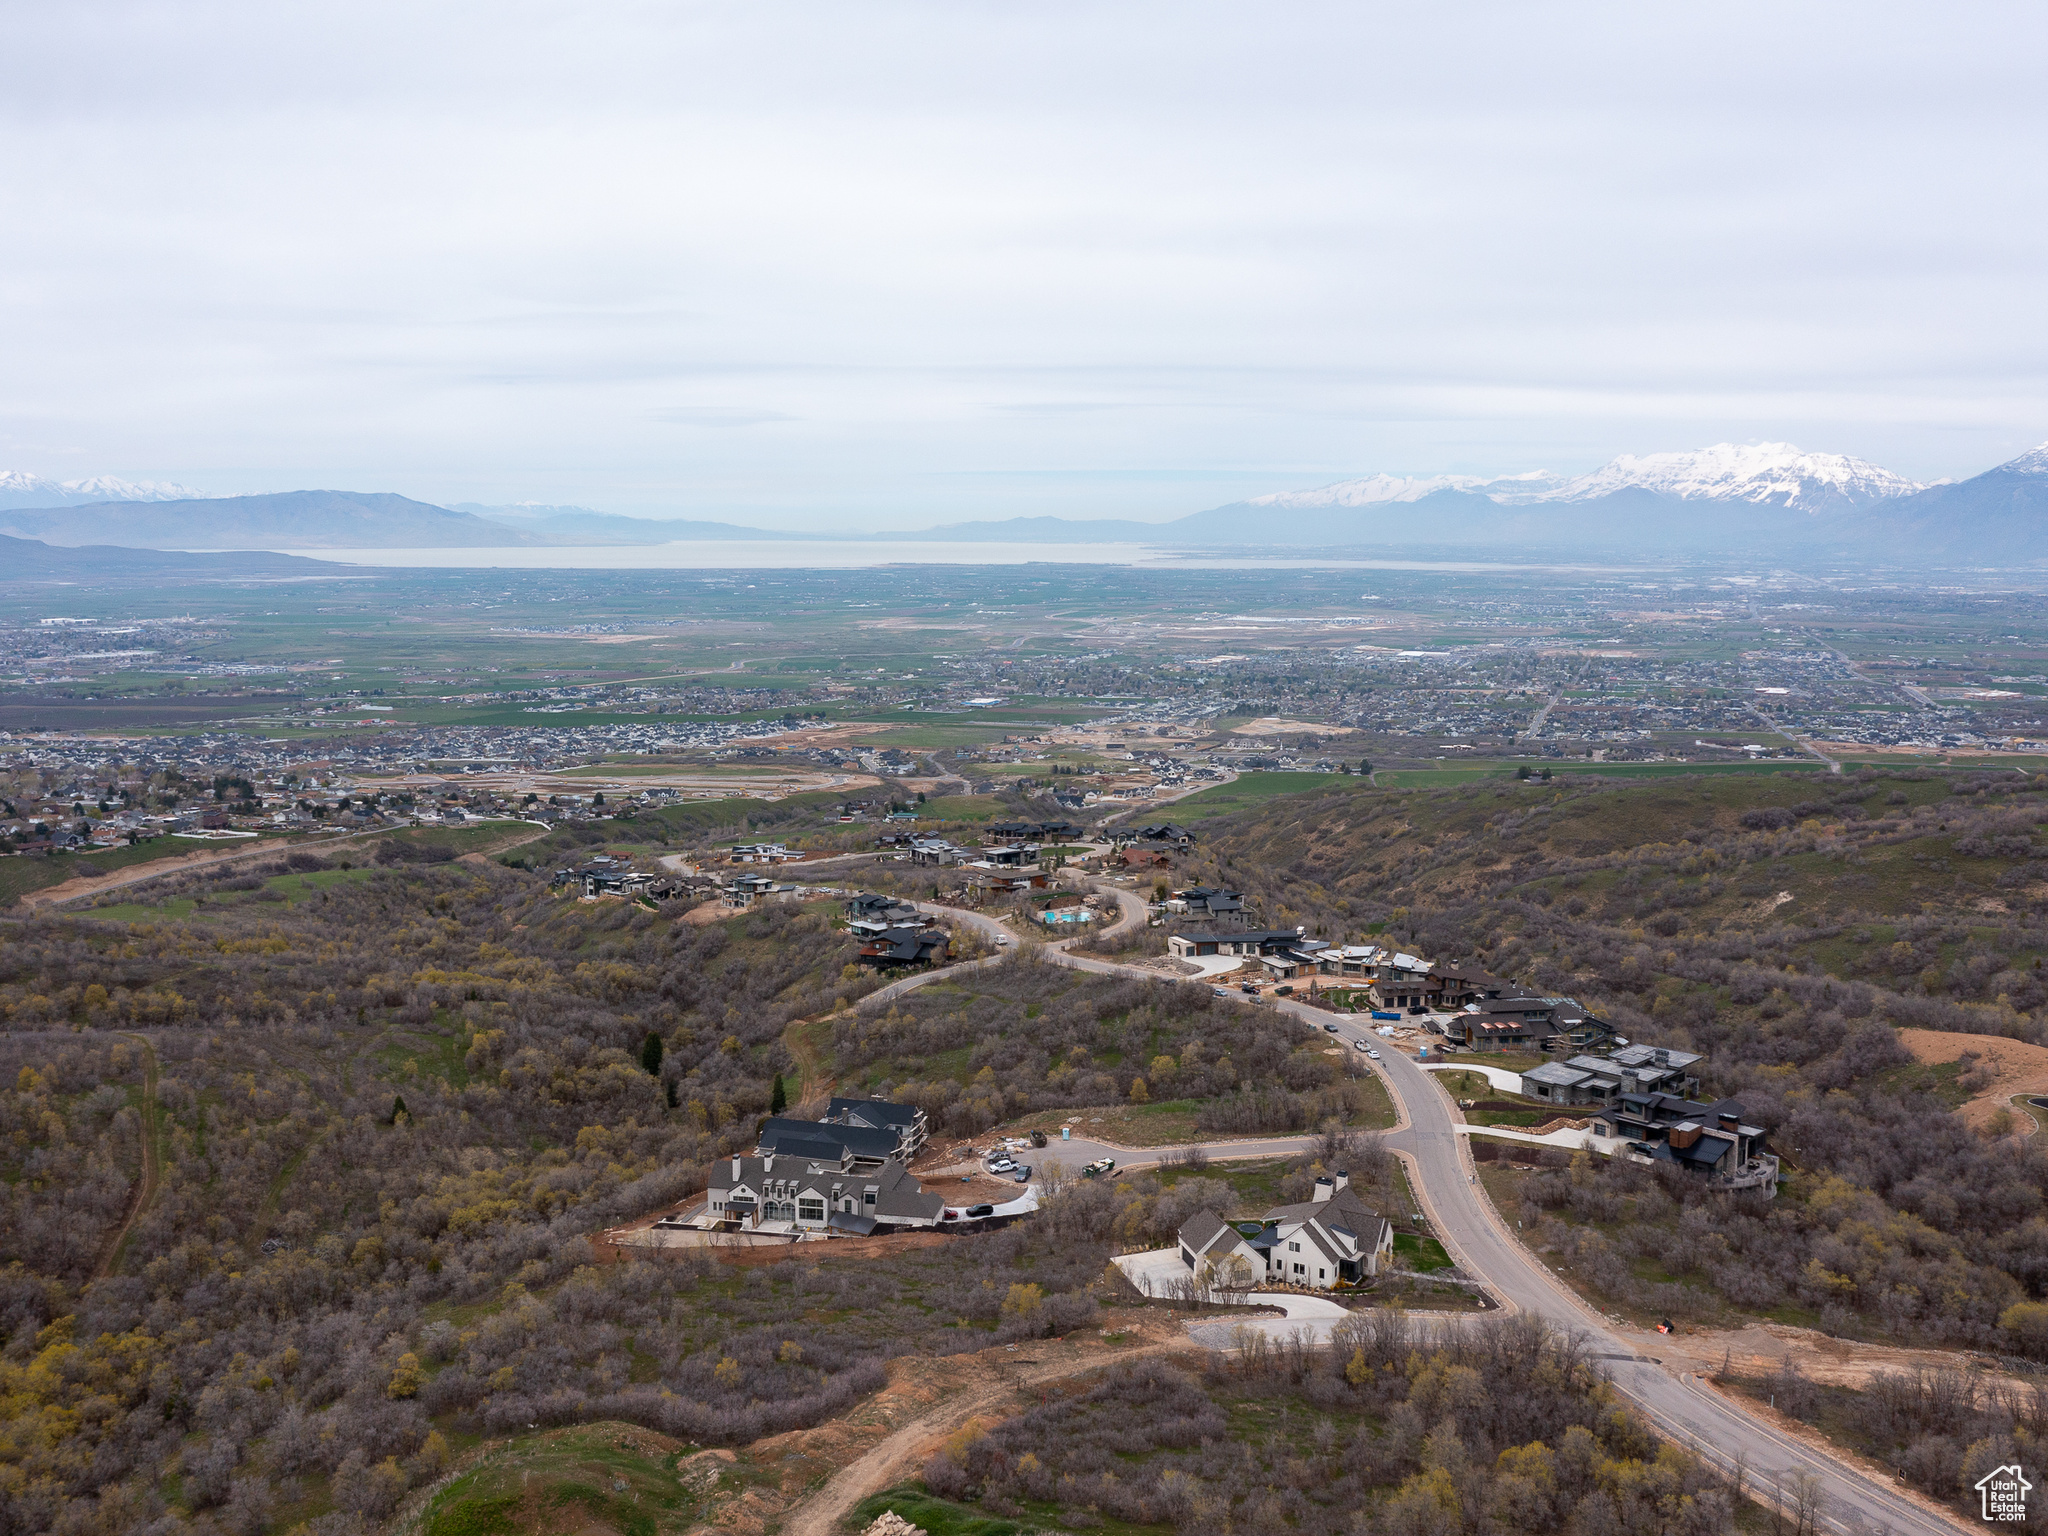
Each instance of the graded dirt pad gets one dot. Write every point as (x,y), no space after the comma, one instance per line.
(1761,1348)
(2022,1069)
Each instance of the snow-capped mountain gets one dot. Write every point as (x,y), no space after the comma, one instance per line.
(2033,462)
(1375,490)
(1763,474)
(18,488)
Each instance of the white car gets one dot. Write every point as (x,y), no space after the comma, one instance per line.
(1375,1055)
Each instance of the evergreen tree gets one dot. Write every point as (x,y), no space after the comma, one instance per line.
(650,1054)
(398,1108)
(778,1097)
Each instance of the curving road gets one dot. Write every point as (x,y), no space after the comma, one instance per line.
(1683,1408)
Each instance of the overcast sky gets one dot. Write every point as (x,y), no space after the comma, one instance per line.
(798,263)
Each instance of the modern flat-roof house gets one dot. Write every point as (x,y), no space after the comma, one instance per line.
(1006,856)
(781,1192)
(1709,1141)
(868,914)
(1601,1080)
(935,850)
(1238,941)
(1327,1241)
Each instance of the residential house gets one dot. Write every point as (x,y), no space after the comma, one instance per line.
(907,945)
(985,882)
(742,891)
(1144,856)
(869,1146)
(868,914)
(1601,1080)
(1249,942)
(1328,1240)
(1210,902)
(1484,1032)
(1007,856)
(910,1124)
(935,850)
(1162,832)
(780,1192)
(1708,1141)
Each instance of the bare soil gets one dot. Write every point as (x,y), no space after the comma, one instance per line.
(2022,1070)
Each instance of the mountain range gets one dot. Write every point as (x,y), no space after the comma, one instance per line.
(18,489)
(1759,499)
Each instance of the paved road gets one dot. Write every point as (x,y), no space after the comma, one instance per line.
(1444,1178)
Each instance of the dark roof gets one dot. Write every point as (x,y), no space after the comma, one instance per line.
(858,1139)
(903,944)
(878,1112)
(821,1150)
(847,1221)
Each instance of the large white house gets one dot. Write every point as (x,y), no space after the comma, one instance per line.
(1325,1241)
(780,1193)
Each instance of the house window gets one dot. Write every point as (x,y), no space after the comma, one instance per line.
(1301,1269)
(1294,1248)
(868,1198)
(1319,1274)
(810,1210)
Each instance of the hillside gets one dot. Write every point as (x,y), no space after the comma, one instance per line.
(28,562)
(284,520)
(1790,928)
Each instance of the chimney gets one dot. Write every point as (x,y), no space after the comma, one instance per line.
(1324,1189)
(1729,1122)
(735,1170)
(1343,1179)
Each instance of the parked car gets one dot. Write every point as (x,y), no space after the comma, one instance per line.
(1363,1047)
(1285,989)
(980,1210)
(1219,991)
(1002,1165)
(1331,1028)
(1248,987)
(1023,1173)
(1375,1055)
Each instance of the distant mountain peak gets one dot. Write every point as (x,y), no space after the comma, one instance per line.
(1377,490)
(1763,474)
(2033,462)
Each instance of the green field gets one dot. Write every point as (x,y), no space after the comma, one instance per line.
(1251,789)
(1427,778)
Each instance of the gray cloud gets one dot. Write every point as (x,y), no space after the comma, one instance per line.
(475,252)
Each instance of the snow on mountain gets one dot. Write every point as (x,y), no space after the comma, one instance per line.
(1378,489)
(2033,462)
(18,488)
(1773,474)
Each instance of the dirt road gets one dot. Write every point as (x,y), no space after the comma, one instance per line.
(909,1446)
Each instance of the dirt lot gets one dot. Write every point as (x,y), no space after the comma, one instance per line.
(1760,1348)
(2021,1069)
